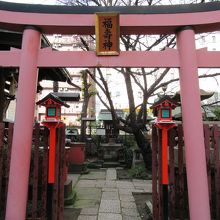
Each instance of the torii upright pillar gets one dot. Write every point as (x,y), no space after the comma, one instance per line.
(23,127)
(193,128)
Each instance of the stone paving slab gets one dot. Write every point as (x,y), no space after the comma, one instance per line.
(128,205)
(109,216)
(110,206)
(130,212)
(141,184)
(100,183)
(105,189)
(86,183)
(89,211)
(124,184)
(125,192)
(138,180)
(145,190)
(142,181)
(144,185)
(86,203)
(139,190)
(110,184)
(70,214)
(110,196)
(111,174)
(125,217)
(88,193)
(127,198)
(92,175)
(87,217)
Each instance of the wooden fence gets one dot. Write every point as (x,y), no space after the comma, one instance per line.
(44,201)
(177,189)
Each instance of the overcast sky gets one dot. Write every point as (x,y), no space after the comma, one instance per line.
(46,2)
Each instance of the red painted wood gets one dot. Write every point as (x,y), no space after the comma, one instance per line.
(36,170)
(171,134)
(62,174)
(8,160)
(44,174)
(56,177)
(207,135)
(52,155)
(155,174)
(193,127)
(164,157)
(160,174)
(181,206)
(167,58)
(76,153)
(2,131)
(217,170)
(23,126)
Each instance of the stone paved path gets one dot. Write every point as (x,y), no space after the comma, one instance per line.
(102,197)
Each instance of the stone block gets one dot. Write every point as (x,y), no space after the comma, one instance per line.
(86,183)
(89,211)
(87,217)
(109,216)
(110,196)
(110,184)
(110,206)
(127,198)
(128,205)
(111,174)
(130,212)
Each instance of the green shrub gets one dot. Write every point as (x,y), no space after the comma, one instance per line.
(138,172)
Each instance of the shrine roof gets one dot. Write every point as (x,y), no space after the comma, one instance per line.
(9,39)
(163,99)
(54,98)
(67,97)
(105,115)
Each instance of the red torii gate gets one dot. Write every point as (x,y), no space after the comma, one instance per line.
(184,21)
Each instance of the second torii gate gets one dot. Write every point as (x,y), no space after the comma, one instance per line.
(184,21)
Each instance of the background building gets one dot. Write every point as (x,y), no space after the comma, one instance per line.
(71,116)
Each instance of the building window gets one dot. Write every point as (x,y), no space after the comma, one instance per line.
(117,93)
(213,39)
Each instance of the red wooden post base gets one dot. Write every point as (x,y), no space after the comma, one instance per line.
(52,150)
(164,157)
(165,127)
(52,155)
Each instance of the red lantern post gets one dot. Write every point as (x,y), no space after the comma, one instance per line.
(163,110)
(52,121)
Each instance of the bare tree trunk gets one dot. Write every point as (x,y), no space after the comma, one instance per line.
(85,105)
(145,148)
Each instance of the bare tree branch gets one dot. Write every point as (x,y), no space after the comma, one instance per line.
(210,104)
(152,87)
(103,102)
